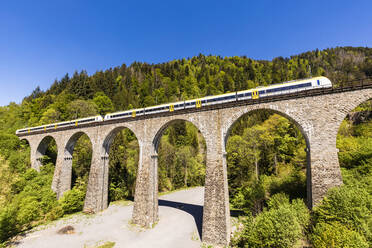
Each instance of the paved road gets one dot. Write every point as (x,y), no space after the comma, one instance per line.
(179,226)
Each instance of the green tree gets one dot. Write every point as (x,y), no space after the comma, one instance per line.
(103,103)
(80,109)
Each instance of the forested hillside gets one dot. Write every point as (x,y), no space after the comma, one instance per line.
(265,152)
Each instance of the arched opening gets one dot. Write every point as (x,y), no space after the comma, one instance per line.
(267,154)
(181,150)
(79,152)
(46,153)
(71,180)
(354,142)
(122,149)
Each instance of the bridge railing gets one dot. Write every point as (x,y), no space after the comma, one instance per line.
(356,83)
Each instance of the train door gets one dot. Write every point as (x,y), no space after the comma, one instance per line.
(255,94)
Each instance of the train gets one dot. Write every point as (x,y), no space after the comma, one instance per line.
(72,123)
(256,93)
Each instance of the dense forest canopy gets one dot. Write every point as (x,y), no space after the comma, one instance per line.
(142,84)
(266,159)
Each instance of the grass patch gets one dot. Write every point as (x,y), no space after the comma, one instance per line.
(108,244)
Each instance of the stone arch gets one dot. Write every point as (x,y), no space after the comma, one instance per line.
(25,139)
(42,148)
(349,106)
(104,151)
(71,142)
(109,138)
(155,146)
(164,126)
(232,121)
(303,131)
(62,179)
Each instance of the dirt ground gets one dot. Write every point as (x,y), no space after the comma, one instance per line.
(180,220)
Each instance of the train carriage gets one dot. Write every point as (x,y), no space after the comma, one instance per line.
(256,93)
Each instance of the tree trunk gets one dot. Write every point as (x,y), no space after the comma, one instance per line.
(256,165)
(185,174)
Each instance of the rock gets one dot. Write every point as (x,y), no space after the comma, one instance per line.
(66,230)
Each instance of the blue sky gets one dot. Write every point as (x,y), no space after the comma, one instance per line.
(43,40)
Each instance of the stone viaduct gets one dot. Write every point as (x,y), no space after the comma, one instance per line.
(317,113)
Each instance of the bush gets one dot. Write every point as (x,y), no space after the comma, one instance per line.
(281,226)
(8,223)
(294,185)
(29,210)
(336,235)
(348,205)
(277,200)
(118,192)
(249,197)
(55,213)
(73,200)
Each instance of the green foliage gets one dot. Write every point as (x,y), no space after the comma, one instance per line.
(291,182)
(31,203)
(73,200)
(348,205)
(250,198)
(80,109)
(277,200)
(282,225)
(354,151)
(81,159)
(8,143)
(336,235)
(124,155)
(8,222)
(103,103)
(181,159)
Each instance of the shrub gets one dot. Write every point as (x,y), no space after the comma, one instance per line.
(118,192)
(249,197)
(336,235)
(29,210)
(277,200)
(55,213)
(348,205)
(73,200)
(277,228)
(294,185)
(8,223)
(280,226)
